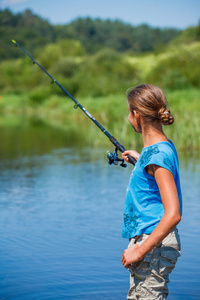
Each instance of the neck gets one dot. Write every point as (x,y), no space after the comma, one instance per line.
(152,134)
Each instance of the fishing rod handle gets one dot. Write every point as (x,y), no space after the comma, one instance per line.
(131,159)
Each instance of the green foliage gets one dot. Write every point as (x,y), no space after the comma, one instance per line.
(105,73)
(97,61)
(95,34)
(66,66)
(188,36)
(177,68)
(34,33)
(52,53)
(19,75)
(112,113)
(39,94)
(28,29)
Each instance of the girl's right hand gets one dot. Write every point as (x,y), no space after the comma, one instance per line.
(132,153)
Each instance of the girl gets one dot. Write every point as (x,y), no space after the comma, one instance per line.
(153,201)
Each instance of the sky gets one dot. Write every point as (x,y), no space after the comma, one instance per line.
(178,14)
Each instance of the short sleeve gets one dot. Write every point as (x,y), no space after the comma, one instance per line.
(154,155)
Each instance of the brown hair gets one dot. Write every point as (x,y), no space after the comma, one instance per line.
(150,102)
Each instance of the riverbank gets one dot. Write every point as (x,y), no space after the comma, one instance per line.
(111,112)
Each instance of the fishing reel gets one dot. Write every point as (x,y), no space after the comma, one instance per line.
(112,158)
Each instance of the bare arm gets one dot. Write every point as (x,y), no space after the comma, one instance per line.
(171,218)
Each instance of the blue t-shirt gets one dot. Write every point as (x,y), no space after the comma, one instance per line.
(143,207)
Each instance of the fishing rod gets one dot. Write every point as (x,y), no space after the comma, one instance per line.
(112,157)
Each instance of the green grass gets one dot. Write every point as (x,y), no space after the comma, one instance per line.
(111,112)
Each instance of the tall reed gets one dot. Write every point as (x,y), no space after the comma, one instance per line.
(111,112)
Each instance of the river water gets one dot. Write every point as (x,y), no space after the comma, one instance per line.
(61,211)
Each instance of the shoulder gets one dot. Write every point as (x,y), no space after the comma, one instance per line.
(160,154)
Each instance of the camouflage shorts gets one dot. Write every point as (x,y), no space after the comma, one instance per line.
(149,277)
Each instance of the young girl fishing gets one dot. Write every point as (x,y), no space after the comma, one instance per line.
(153,203)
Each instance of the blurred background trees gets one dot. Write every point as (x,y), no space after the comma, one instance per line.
(97,61)
(95,57)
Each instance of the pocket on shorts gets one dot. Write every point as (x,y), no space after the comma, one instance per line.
(172,240)
(168,259)
(169,252)
(141,266)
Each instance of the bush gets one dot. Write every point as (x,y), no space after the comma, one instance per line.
(39,94)
(66,66)
(107,72)
(52,53)
(177,68)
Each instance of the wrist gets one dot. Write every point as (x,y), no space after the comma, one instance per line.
(141,253)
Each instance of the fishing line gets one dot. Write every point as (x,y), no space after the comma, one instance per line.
(112,157)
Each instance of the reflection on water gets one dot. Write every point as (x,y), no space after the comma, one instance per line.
(61,216)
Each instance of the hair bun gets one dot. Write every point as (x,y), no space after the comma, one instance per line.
(165,117)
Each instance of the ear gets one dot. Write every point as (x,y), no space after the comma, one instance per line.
(137,118)
(136,115)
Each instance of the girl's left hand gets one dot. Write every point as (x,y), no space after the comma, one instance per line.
(131,255)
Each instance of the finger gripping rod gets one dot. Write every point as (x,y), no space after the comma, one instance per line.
(77,104)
